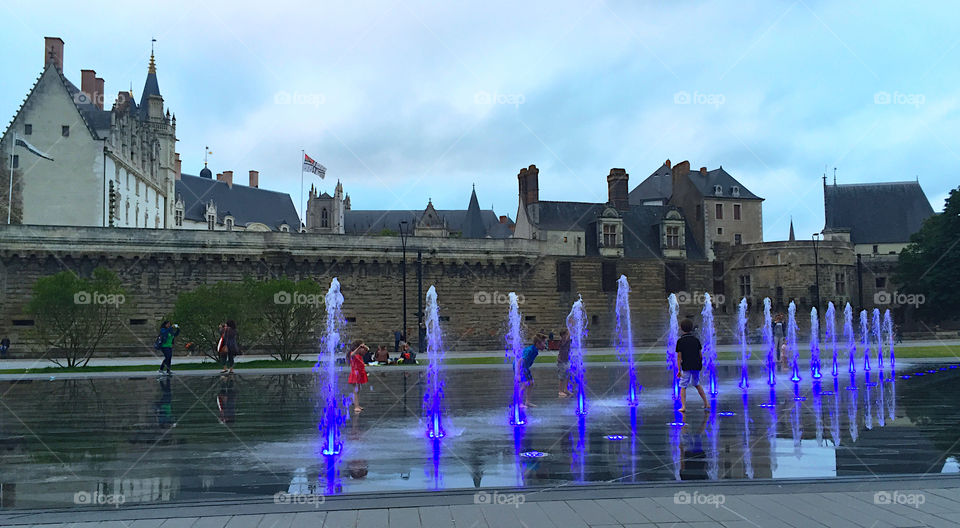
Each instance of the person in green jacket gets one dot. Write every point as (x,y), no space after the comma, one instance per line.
(168,333)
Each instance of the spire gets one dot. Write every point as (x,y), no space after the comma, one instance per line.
(792,236)
(473,226)
(153,65)
(150,86)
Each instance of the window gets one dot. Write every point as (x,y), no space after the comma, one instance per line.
(735,190)
(178,217)
(136,186)
(65,131)
(737,239)
(609,235)
(530,318)
(881,282)
(840,283)
(608,272)
(876,249)
(779,296)
(211,222)
(718,275)
(136,216)
(285,229)
(16,161)
(719,211)
(674,277)
(564,240)
(229,223)
(137,322)
(126,213)
(717,190)
(745,286)
(146,220)
(563,276)
(736,211)
(324,218)
(719,230)
(27,129)
(673,237)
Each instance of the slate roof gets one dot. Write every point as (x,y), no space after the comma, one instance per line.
(641,227)
(372,222)
(245,204)
(473,226)
(876,213)
(659,185)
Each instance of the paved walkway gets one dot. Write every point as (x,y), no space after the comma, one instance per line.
(840,503)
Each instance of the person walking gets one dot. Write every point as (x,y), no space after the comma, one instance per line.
(231,344)
(358,371)
(563,364)
(168,333)
(690,359)
(4,346)
(778,332)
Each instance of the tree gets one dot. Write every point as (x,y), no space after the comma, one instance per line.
(930,264)
(73,315)
(201,311)
(291,311)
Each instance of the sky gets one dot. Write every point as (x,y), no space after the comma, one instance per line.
(409,101)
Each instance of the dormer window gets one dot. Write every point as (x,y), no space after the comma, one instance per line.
(735,191)
(717,190)
(673,237)
(284,228)
(228,222)
(609,235)
(211,221)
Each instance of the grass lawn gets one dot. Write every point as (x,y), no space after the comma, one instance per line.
(934,351)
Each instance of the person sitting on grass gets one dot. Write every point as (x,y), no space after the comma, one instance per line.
(690,359)
(383,356)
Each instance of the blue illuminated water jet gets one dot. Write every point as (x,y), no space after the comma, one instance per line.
(708,335)
(577,326)
(333,413)
(514,354)
(878,338)
(814,344)
(433,399)
(849,337)
(792,348)
(673,332)
(624,340)
(830,336)
(769,344)
(743,342)
(891,339)
(865,339)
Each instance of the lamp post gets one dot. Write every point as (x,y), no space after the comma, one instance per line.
(816,265)
(421,333)
(403,271)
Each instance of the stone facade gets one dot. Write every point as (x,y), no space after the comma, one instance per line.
(471,276)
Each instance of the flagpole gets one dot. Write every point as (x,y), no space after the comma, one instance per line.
(10,187)
(303,221)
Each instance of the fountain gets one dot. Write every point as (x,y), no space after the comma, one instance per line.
(673,331)
(624,339)
(747,454)
(792,347)
(514,354)
(830,335)
(433,400)
(334,405)
(769,343)
(814,344)
(577,326)
(865,340)
(851,340)
(742,340)
(708,335)
(878,337)
(891,338)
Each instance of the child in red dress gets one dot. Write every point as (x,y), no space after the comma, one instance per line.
(358,371)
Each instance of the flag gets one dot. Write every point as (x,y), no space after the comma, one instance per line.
(23,143)
(312,166)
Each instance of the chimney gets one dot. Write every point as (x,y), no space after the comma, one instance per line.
(98,94)
(53,52)
(529,190)
(703,171)
(228,178)
(177,164)
(680,170)
(503,219)
(667,163)
(88,85)
(255,179)
(618,189)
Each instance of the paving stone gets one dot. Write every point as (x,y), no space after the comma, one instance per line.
(404,518)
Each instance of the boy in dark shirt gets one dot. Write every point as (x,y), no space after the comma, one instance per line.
(690,359)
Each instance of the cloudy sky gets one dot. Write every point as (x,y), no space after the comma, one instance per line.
(408,100)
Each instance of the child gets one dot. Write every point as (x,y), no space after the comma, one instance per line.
(358,371)
(563,364)
(529,356)
(690,359)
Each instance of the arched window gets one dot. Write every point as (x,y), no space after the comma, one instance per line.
(324,218)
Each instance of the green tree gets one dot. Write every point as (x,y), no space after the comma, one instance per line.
(73,315)
(291,312)
(930,264)
(201,311)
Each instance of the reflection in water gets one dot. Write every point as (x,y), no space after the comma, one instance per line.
(633,444)
(578,462)
(868,403)
(796,427)
(772,429)
(881,405)
(852,415)
(893,398)
(518,448)
(227,399)
(712,432)
(818,412)
(693,463)
(835,413)
(433,467)
(675,454)
(747,452)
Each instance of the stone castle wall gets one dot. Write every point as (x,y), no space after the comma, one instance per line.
(472,278)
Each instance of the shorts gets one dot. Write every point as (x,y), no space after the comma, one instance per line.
(526,376)
(690,377)
(563,370)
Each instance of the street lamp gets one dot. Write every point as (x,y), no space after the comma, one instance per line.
(404,233)
(816,265)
